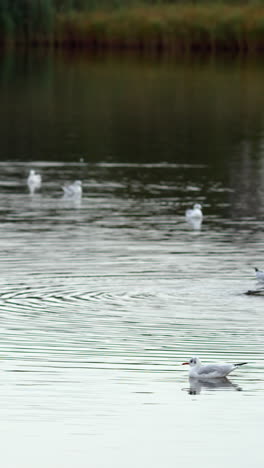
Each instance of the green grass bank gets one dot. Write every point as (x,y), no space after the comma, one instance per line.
(207,27)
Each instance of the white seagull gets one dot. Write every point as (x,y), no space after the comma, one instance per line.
(33,181)
(210,371)
(194,213)
(259,274)
(73,191)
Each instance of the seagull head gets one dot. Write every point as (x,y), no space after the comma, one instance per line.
(197,206)
(194,361)
(78,183)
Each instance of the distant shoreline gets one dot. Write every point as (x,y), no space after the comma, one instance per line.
(217,27)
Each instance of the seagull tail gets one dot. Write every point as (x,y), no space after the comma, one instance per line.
(240,364)
(256,269)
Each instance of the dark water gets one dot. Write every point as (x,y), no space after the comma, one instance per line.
(100,302)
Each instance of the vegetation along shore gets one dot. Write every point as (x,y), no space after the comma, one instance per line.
(149,25)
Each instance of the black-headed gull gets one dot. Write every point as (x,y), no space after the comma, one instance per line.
(259,274)
(194,213)
(73,191)
(210,371)
(33,181)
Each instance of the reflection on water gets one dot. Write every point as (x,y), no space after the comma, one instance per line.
(195,223)
(100,301)
(196,385)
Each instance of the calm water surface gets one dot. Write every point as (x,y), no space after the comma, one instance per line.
(100,302)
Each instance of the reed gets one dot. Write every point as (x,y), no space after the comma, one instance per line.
(218,26)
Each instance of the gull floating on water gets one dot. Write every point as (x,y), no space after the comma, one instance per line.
(194,216)
(33,181)
(210,371)
(259,274)
(260,288)
(73,191)
(195,212)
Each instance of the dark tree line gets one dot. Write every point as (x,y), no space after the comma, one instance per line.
(27,18)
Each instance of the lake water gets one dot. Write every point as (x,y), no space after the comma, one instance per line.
(101,301)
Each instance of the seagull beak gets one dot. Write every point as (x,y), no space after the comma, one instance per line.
(184,363)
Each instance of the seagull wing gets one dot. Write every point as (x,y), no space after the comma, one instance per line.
(217,369)
(68,190)
(260,275)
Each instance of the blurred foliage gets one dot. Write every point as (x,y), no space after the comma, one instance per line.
(135,23)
